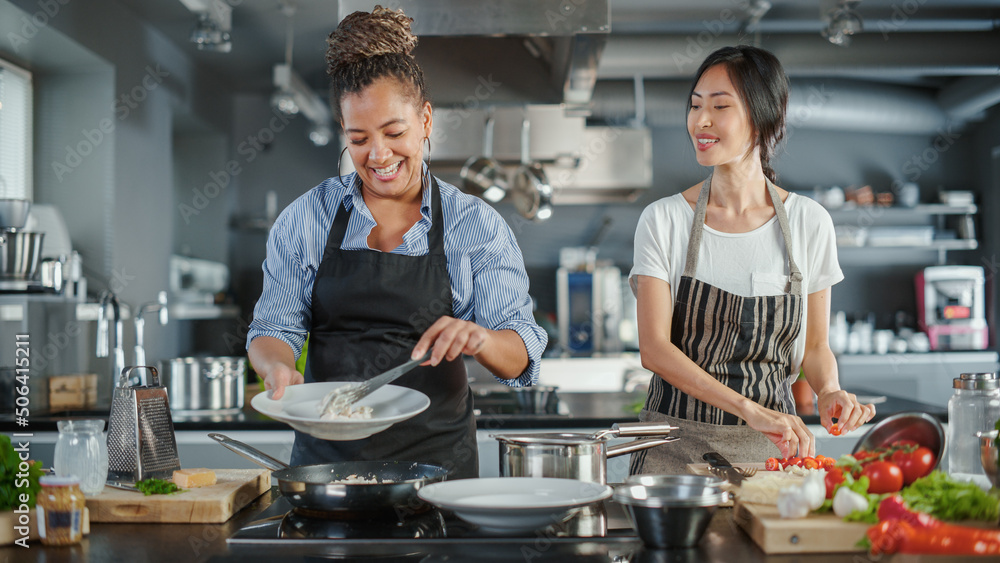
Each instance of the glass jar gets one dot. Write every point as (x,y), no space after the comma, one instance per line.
(82,451)
(975,407)
(59,507)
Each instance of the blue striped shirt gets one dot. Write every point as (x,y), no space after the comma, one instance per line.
(488,282)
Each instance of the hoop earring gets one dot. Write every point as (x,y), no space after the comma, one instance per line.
(339,160)
(428,139)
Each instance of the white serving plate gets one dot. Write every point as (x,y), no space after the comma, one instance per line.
(298,408)
(513,504)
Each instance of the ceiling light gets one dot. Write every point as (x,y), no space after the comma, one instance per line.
(843,22)
(320,134)
(215,22)
(284,101)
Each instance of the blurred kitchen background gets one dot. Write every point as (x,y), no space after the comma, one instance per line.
(152,143)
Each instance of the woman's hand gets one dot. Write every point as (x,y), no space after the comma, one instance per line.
(279,377)
(787,431)
(843,406)
(449,337)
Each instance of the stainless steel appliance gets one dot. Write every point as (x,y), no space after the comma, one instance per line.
(589,309)
(951,307)
(141,441)
(213,385)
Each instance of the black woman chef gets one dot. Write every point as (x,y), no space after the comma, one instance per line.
(732,278)
(389,255)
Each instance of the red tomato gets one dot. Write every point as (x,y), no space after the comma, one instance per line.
(883,477)
(834,429)
(862,456)
(795,460)
(834,477)
(810,463)
(772,464)
(829,463)
(915,464)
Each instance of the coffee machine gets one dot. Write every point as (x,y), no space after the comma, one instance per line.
(588,303)
(951,307)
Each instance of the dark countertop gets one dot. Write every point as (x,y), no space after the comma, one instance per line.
(156,543)
(498,410)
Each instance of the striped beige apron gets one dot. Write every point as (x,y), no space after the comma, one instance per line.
(744,342)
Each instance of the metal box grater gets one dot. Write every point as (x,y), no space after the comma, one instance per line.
(141,442)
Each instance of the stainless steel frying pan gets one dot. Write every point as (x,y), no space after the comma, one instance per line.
(320,488)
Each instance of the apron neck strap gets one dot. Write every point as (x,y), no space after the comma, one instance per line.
(697,228)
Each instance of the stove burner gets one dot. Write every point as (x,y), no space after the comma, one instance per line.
(306,524)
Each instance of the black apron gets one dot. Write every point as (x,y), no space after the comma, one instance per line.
(744,342)
(369,308)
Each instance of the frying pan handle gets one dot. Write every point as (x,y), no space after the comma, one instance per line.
(637,445)
(249,452)
(628,429)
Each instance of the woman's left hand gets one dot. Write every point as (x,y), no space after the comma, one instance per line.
(843,406)
(449,337)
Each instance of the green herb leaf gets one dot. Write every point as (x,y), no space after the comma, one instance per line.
(157,487)
(944,498)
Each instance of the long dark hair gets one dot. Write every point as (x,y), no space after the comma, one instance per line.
(368,46)
(762,86)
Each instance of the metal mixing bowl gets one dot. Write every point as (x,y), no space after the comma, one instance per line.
(670,514)
(678,485)
(920,427)
(988,452)
(537,399)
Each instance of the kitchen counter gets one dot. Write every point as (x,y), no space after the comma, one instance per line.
(496,410)
(155,543)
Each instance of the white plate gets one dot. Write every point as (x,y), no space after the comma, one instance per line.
(513,504)
(297,408)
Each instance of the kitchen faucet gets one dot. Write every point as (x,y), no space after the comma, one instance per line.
(160,305)
(103,344)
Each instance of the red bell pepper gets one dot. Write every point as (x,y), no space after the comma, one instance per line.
(903,530)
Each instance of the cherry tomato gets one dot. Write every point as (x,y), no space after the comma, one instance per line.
(834,477)
(772,464)
(883,477)
(834,429)
(829,463)
(810,463)
(795,460)
(915,464)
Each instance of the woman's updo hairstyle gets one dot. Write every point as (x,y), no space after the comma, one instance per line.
(762,85)
(368,46)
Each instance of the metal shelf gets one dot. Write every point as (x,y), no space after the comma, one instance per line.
(202,311)
(876,213)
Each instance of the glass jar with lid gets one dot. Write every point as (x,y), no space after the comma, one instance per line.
(974,407)
(82,451)
(59,507)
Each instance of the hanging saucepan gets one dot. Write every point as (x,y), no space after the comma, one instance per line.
(531,191)
(575,455)
(333,488)
(483,176)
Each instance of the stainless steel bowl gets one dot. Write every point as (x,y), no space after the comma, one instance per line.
(14,213)
(988,453)
(920,427)
(537,399)
(670,515)
(678,486)
(20,252)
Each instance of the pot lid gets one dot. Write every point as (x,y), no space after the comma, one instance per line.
(551,438)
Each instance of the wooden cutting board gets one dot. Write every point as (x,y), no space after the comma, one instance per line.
(816,533)
(703,469)
(234,489)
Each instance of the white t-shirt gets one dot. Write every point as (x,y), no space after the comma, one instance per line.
(748,264)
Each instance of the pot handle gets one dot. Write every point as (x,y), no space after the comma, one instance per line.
(628,429)
(249,452)
(637,445)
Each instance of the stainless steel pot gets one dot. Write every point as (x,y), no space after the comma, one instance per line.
(205,384)
(531,192)
(483,176)
(575,455)
(20,252)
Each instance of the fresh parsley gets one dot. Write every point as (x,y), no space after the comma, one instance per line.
(157,487)
(944,498)
(13,482)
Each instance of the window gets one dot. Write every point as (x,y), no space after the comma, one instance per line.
(15,132)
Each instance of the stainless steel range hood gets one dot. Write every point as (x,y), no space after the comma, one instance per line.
(505,51)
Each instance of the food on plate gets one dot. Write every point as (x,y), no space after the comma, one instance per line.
(328,409)
(191,478)
(157,487)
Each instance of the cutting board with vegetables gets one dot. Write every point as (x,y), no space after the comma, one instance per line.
(234,489)
(816,533)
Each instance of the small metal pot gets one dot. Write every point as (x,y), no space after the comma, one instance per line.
(20,252)
(213,385)
(575,455)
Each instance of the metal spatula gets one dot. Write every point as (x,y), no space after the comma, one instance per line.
(341,398)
